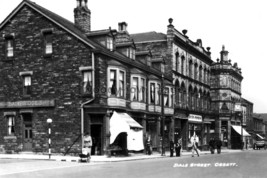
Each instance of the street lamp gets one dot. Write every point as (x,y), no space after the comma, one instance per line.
(49,121)
(162,108)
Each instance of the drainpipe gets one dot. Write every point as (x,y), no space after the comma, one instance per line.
(89,101)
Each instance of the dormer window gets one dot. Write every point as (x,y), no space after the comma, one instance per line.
(131,53)
(110,45)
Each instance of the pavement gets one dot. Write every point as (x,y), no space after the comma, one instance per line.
(103,158)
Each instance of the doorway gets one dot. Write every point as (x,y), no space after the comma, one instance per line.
(27,131)
(96,133)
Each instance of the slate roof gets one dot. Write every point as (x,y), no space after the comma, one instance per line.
(70,27)
(148,36)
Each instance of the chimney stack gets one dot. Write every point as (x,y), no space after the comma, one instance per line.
(82,16)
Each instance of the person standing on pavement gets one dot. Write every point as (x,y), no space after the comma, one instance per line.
(194,140)
(218,145)
(87,142)
(212,145)
(148,146)
(178,146)
(171,148)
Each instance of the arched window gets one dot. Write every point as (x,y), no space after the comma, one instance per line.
(191,69)
(177,93)
(183,95)
(182,65)
(200,73)
(204,75)
(190,97)
(177,61)
(195,96)
(195,71)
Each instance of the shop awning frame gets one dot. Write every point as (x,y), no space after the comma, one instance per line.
(260,136)
(237,128)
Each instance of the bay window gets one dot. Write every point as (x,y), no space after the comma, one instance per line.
(154,92)
(168,97)
(138,84)
(116,82)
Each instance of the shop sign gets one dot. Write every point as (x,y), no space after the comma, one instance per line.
(238,107)
(28,104)
(194,118)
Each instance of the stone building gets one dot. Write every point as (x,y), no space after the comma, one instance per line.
(165,84)
(52,68)
(188,63)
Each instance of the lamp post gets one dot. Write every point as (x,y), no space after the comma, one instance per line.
(162,107)
(49,121)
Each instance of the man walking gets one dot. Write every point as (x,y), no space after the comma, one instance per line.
(194,140)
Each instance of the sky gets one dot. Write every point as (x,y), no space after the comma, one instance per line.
(240,25)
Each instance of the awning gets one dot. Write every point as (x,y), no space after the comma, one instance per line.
(259,136)
(122,122)
(237,128)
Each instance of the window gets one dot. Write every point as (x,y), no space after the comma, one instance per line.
(10,125)
(135,89)
(177,61)
(48,43)
(158,95)
(27,81)
(131,53)
(110,43)
(143,89)
(9,45)
(27,85)
(48,46)
(138,88)
(116,79)
(87,82)
(182,65)
(168,97)
(152,93)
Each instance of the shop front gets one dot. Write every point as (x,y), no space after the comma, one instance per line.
(195,127)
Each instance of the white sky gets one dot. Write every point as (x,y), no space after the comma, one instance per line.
(240,25)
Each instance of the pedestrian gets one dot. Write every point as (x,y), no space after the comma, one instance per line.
(218,145)
(178,146)
(87,142)
(212,145)
(148,146)
(194,140)
(171,148)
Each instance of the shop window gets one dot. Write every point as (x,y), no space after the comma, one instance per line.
(10,125)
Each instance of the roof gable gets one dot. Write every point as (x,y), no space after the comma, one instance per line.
(56,19)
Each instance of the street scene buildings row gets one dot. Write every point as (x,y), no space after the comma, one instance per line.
(168,84)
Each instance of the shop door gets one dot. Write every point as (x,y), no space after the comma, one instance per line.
(96,130)
(27,141)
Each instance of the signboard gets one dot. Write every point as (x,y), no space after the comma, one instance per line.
(194,118)
(238,107)
(28,104)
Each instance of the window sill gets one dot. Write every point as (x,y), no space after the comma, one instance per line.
(10,137)
(8,59)
(48,55)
